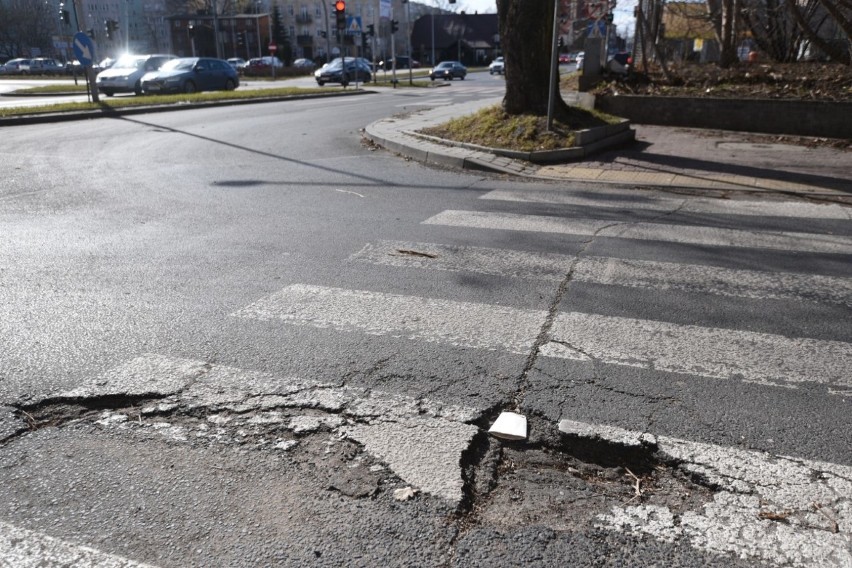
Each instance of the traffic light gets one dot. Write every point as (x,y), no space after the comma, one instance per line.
(394,26)
(108,28)
(561,42)
(91,33)
(241,38)
(340,13)
(371,30)
(66,17)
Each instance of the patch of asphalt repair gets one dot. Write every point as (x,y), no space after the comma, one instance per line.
(724,502)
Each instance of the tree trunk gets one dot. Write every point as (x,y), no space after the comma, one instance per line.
(525,34)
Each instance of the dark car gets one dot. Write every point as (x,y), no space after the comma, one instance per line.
(402,62)
(356,70)
(262,66)
(448,70)
(619,63)
(191,74)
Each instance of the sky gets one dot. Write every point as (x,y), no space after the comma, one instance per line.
(623,13)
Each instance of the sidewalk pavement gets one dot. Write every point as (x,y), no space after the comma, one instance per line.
(661,157)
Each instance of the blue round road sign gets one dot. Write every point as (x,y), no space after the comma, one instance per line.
(84,49)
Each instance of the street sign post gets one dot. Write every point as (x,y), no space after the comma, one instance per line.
(84,51)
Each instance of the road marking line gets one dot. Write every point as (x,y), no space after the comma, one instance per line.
(461,324)
(782,510)
(611,271)
(791,209)
(24,548)
(686,234)
(701,351)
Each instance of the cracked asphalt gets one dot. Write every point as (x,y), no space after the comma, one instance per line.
(267,343)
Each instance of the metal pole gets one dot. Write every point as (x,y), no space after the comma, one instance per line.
(127,26)
(408,42)
(433,37)
(554,66)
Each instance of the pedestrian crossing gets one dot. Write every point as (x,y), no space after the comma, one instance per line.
(786,360)
(402,431)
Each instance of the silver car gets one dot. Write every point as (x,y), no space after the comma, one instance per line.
(125,75)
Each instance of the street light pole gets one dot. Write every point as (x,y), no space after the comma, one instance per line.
(408,40)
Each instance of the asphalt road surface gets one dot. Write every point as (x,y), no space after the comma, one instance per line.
(241,336)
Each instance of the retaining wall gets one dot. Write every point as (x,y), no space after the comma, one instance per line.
(796,118)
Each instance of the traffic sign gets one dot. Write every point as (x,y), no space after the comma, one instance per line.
(353,25)
(596,10)
(84,49)
(273,48)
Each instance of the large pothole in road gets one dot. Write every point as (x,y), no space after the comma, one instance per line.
(566,482)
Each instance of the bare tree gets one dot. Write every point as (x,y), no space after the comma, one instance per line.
(26,26)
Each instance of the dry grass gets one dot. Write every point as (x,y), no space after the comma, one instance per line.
(493,128)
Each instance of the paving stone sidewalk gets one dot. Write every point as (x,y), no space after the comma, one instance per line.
(664,157)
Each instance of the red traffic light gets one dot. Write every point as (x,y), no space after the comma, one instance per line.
(340,6)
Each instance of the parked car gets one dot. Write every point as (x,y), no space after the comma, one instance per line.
(619,63)
(46,66)
(73,67)
(564,58)
(357,69)
(125,75)
(106,63)
(448,70)
(580,58)
(17,67)
(496,66)
(190,75)
(262,66)
(402,62)
(237,63)
(303,63)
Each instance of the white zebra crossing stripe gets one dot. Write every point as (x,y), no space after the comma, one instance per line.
(702,351)
(461,324)
(612,271)
(791,209)
(22,548)
(715,280)
(496,262)
(786,511)
(685,234)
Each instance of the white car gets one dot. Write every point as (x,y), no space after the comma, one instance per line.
(580,58)
(125,75)
(496,66)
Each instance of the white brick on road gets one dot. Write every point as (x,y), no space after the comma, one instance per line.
(22,548)
(781,510)
(685,234)
(702,279)
(764,208)
(702,351)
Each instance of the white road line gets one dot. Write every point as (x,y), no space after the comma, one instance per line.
(781,510)
(612,271)
(461,324)
(706,236)
(703,351)
(22,548)
(707,352)
(497,262)
(793,209)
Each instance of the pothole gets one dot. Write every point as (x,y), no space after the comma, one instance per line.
(565,482)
